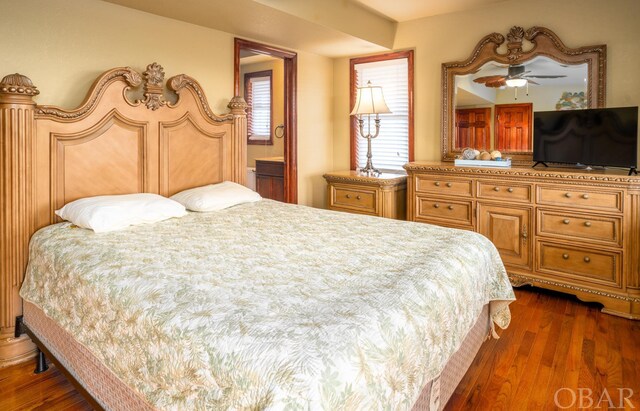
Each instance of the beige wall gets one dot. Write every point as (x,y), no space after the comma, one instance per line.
(63,45)
(277,77)
(544,98)
(452,37)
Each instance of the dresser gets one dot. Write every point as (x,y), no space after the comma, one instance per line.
(558,228)
(383,195)
(270,177)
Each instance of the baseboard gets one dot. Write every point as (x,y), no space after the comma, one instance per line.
(16,350)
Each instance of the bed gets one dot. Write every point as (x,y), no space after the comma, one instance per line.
(197,313)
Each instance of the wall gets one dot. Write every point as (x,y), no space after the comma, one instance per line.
(63,45)
(277,77)
(544,98)
(452,37)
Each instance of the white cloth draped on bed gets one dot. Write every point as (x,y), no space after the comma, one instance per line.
(269,305)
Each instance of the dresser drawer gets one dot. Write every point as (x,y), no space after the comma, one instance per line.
(580,263)
(606,230)
(354,198)
(505,191)
(443,185)
(588,198)
(448,211)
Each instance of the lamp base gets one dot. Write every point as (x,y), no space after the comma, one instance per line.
(370,171)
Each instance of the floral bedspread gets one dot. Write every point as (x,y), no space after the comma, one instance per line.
(268,305)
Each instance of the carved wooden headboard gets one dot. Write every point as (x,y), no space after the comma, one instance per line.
(129,135)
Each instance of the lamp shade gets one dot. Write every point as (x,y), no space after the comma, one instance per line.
(370,100)
(516,82)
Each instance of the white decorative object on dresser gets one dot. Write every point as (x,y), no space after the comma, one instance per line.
(558,228)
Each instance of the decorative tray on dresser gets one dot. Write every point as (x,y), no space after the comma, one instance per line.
(558,228)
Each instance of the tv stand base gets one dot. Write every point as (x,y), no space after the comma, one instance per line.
(539,162)
(633,170)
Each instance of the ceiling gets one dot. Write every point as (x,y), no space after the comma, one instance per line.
(575,75)
(332,28)
(404,10)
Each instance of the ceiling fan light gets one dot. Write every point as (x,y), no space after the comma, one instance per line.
(516,82)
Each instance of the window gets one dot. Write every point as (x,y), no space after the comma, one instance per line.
(258,95)
(394,145)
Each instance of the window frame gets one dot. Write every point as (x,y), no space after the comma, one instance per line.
(353,123)
(247,80)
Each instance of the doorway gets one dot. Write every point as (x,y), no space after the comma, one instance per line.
(473,128)
(513,127)
(266,77)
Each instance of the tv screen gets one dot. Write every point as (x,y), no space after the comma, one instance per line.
(592,137)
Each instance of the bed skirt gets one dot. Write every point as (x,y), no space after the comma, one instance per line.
(112,394)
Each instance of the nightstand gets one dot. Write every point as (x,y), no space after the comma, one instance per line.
(384,195)
(270,177)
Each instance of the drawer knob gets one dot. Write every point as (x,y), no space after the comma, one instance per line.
(586,259)
(587,223)
(348,196)
(450,207)
(358,197)
(437,183)
(566,221)
(449,184)
(565,256)
(436,205)
(510,190)
(496,188)
(585,196)
(568,195)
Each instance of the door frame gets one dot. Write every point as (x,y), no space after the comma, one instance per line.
(290,106)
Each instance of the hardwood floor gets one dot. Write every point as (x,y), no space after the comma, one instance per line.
(554,343)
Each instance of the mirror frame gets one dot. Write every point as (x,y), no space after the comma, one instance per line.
(544,42)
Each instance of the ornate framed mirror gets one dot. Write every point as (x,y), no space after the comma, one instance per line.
(488,100)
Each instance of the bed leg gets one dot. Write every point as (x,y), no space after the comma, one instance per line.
(41,363)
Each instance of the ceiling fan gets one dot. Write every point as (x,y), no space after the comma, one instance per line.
(516,77)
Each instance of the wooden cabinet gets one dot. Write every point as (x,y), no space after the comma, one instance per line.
(508,228)
(562,229)
(270,178)
(383,196)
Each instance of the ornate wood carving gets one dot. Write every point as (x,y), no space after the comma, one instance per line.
(367,180)
(182,82)
(153,78)
(543,42)
(127,74)
(238,108)
(16,206)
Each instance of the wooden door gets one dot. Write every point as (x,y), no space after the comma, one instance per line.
(473,128)
(513,127)
(509,229)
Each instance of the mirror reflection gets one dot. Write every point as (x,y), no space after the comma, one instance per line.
(494,105)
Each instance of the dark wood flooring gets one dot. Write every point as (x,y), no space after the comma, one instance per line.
(555,342)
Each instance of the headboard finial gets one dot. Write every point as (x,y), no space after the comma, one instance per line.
(153,78)
(18,84)
(237,105)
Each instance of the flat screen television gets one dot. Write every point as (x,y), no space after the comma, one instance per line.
(592,137)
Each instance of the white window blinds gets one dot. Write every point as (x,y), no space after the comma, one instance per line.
(260,124)
(390,150)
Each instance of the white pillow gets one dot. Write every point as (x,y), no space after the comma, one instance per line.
(110,213)
(216,196)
